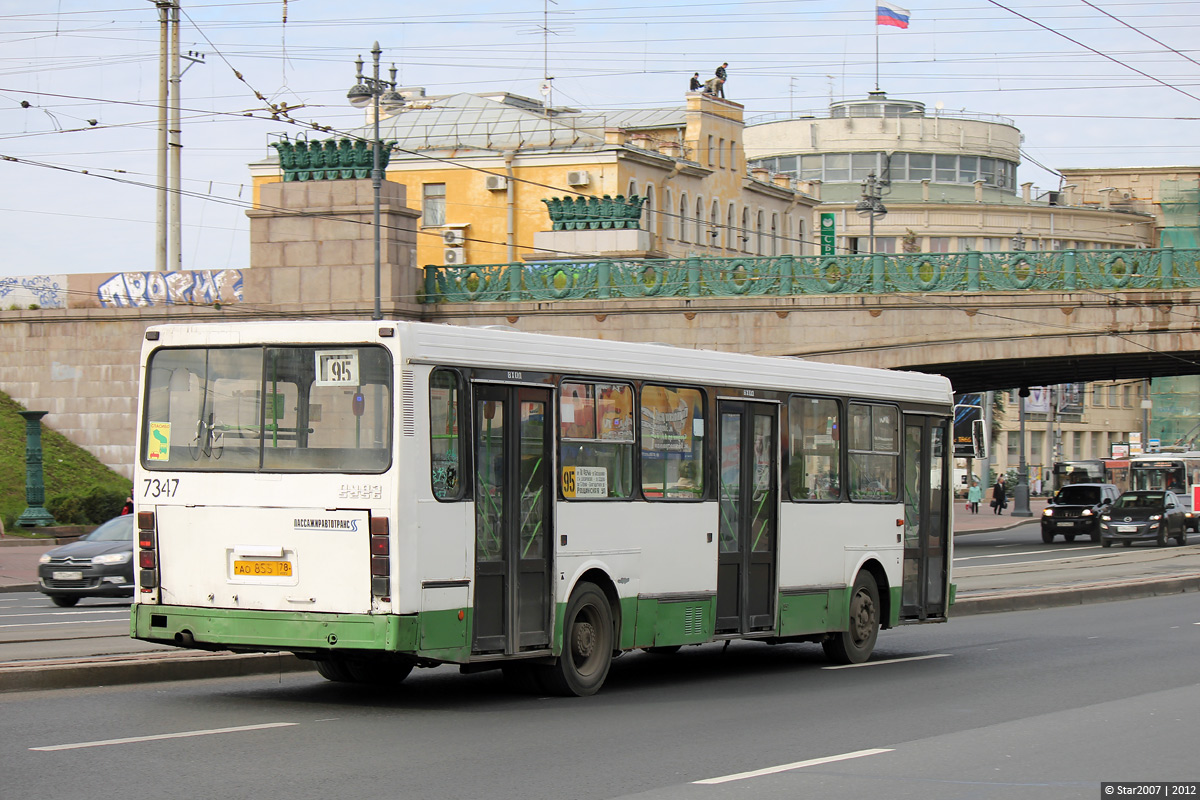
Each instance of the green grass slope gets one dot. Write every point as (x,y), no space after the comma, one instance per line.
(68,468)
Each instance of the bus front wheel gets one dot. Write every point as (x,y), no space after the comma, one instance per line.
(854,646)
(587,645)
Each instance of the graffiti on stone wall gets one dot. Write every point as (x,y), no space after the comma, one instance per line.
(195,287)
(43,291)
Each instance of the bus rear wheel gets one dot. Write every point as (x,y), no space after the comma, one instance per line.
(854,646)
(587,645)
(357,670)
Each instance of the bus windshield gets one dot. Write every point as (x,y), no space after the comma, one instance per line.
(1168,475)
(311,409)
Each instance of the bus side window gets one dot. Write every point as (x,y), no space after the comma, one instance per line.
(815,447)
(445,442)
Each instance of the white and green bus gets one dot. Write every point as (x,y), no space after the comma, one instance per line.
(378,496)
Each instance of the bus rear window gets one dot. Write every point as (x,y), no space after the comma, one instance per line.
(275,409)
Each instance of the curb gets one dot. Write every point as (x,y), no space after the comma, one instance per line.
(19,587)
(1083,594)
(120,670)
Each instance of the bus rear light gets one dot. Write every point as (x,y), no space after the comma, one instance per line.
(380,567)
(145,520)
(146,560)
(379,546)
(379,526)
(146,540)
(148,580)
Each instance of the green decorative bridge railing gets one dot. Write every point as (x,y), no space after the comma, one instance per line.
(330,160)
(781,276)
(595,213)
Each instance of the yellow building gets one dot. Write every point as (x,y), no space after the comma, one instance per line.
(477,168)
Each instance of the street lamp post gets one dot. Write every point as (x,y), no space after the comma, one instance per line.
(870,206)
(369,90)
(1021,490)
(1018,242)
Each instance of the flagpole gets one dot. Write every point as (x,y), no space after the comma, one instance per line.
(876,50)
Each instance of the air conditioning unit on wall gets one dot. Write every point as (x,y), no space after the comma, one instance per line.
(453,237)
(454,256)
(578,178)
(495,183)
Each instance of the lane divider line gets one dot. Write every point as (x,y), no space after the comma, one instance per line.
(181,735)
(888,661)
(741,776)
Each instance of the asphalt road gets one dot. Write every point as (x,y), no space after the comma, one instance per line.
(1033,704)
(1023,545)
(31,627)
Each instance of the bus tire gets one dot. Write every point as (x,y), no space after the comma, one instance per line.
(587,645)
(854,646)
(334,670)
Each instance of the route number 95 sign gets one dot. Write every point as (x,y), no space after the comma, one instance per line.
(337,368)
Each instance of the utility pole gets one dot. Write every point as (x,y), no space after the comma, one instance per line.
(175,254)
(164,42)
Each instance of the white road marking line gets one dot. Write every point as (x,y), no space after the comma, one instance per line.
(787,767)
(182,735)
(1037,552)
(65,622)
(45,612)
(889,661)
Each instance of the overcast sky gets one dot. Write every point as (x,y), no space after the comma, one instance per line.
(1089,83)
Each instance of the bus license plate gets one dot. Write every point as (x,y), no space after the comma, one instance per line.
(259,568)
(67,576)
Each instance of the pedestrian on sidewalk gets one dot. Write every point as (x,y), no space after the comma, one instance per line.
(999,499)
(974,495)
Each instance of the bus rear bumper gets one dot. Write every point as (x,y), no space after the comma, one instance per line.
(242,630)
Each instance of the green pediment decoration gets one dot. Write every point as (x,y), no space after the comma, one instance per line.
(595,213)
(329,160)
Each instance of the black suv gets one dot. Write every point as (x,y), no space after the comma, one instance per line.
(1075,510)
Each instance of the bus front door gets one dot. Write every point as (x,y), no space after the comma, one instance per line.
(513,496)
(926,519)
(748,496)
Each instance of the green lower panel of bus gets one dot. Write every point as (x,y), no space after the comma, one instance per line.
(438,634)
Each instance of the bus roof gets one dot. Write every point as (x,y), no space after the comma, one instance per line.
(503,349)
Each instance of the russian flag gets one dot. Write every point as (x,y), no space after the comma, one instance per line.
(891,14)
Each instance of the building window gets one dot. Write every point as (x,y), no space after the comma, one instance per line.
(966,244)
(1114,399)
(732,154)
(885,244)
(1035,447)
(1097,396)
(939,244)
(1077,445)
(774,234)
(745,235)
(667,228)
(731,228)
(1098,445)
(710,150)
(721,152)
(701,236)
(651,217)
(433,205)
(761,233)
(683,219)
(714,225)
(1127,396)
(992,245)
(1014,445)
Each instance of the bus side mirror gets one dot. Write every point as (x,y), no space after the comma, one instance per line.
(978,438)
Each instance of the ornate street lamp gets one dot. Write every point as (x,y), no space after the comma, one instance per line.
(1018,242)
(871,206)
(374,90)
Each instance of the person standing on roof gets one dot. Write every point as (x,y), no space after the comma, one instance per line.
(721,75)
(695,85)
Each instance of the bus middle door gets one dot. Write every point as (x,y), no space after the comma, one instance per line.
(513,514)
(749,497)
